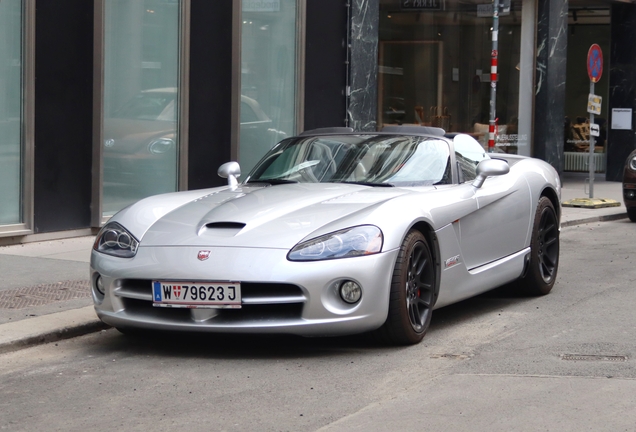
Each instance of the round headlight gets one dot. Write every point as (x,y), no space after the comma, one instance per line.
(110,238)
(632,163)
(124,241)
(161,145)
(350,292)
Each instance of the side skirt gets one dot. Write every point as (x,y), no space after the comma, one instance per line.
(462,283)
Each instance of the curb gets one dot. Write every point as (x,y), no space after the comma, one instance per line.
(602,218)
(61,325)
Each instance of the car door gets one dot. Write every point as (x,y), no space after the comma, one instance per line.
(499,227)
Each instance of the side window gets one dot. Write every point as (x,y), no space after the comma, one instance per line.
(468,153)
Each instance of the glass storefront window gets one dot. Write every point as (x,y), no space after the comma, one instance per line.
(434,68)
(268,77)
(10,112)
(141,73)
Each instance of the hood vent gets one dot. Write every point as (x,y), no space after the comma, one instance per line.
(221,229)
(225,225)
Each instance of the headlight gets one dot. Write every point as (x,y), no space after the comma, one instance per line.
(161,145)
(632,164)
(114,239)
(349,242)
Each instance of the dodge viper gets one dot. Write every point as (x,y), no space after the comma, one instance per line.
(333,232)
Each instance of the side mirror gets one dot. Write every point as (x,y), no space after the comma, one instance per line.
(230,171)
(488,168)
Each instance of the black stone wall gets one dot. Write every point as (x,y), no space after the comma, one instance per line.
(362,110)
(622,94)
(325,63)
(210,130)
(550,76)
(63,114)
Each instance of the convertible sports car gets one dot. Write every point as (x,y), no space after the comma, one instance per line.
(333,232)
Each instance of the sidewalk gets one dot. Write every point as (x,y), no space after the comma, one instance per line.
(45,294)
(575,186)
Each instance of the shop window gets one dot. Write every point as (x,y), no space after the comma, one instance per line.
(268,77)
(11,112)
(141,94)
(434,68)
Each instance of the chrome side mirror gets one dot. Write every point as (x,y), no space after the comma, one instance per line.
(488,168)
(231,171)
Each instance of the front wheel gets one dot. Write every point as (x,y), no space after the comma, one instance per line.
(631,212)
(412,292)
(544,251)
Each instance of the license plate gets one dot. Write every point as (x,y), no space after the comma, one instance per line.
(211,295)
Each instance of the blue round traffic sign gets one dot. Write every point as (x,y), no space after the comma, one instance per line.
(595,63)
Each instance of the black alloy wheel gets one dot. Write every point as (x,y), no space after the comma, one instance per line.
(544,251)
(412,292)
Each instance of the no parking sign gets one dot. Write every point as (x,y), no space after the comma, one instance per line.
(595,63)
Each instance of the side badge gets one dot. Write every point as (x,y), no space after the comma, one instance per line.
(451,262)
(203,255)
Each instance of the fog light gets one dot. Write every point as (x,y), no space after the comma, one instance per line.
(350,292)
(630,194)
(99,285)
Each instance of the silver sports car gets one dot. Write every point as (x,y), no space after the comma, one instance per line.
(333,232)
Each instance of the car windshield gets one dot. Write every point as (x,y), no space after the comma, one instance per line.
(374,160)
(150,105)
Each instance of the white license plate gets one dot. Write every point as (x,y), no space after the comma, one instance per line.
(212,295)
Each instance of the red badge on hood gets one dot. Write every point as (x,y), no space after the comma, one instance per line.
(203,255)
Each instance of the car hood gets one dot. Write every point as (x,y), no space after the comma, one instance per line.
(265,216)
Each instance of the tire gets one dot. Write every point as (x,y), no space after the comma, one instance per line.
(544,251)
(412,294)
(631,213)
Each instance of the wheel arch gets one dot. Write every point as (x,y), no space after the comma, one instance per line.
(551,194)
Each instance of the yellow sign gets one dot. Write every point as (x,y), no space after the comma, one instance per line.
(594,104)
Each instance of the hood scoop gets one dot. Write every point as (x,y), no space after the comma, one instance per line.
(225,225)
(221,229)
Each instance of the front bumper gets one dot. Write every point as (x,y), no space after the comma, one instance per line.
(279,296)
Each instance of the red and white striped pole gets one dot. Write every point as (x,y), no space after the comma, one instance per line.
(493,76)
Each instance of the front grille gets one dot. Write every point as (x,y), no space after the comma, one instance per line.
(261,302)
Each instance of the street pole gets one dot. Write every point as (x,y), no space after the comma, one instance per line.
(592,143)
(493,76)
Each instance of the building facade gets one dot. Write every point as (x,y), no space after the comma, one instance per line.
(105,102)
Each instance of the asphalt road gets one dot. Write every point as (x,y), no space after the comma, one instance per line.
(497,362)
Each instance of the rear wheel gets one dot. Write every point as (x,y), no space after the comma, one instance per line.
(631,212)
(412,292)
(544,251)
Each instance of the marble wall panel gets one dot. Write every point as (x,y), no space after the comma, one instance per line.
(550,78)
(363,71)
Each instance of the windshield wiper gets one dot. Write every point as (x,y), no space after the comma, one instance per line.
(363,183)
(273,181)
